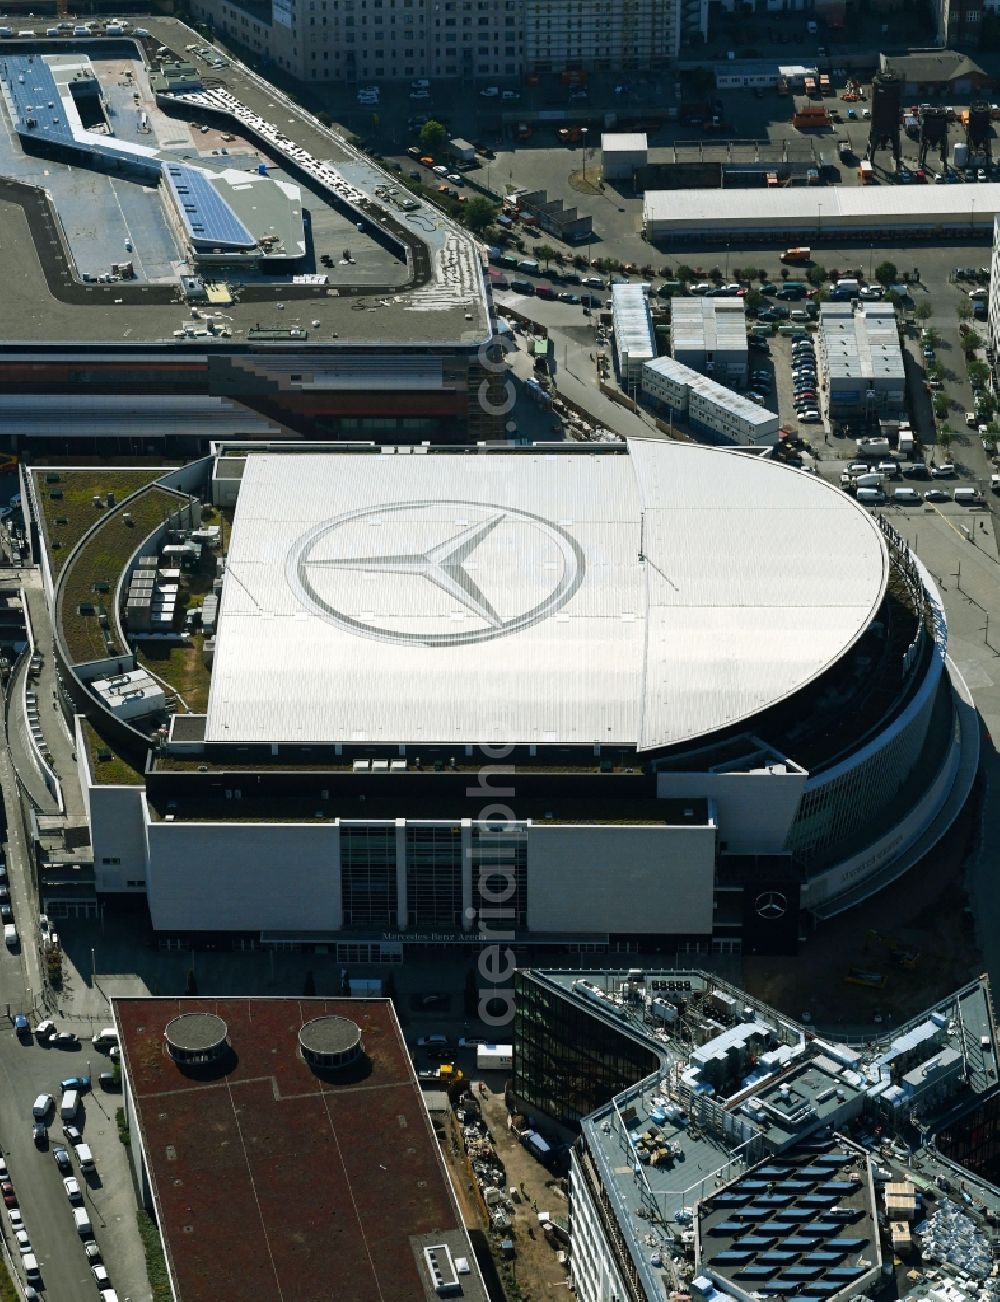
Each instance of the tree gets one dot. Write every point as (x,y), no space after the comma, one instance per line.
(685,273)
(754,300)
(940,406)
(191,985)
(922,311)
(944,436)
(816,275)
(479,214)
(309,985)
(931,337)
(762,276)
(970,343)
(886,273)
(432,135)
(979,373)
(964,309)
(546,252)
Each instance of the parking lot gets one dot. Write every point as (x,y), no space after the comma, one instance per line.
(32,1069)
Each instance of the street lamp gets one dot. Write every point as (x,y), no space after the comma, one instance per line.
(93,967)
(583,133)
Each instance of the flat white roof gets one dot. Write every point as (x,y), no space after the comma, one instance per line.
(823,206)
(642,597)
(623,141)
(633,323)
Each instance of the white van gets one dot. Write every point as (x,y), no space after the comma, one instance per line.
(31,1272)
(888,468)
(799,315)
(967,496)
(529,266)
(81,1220)
(871,496)
(906,495)
(10,935)
(104,1039)
(70,1105)
(85,1157)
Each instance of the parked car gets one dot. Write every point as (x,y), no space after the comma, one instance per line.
(42,1106)
(8,1194)
(61,1157)
(945,471)
(66,1039)
(72,1187)
(108,1081)
(937,495)
(39,1134)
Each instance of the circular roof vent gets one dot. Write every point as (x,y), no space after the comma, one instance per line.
(195,1038)
(330,1042)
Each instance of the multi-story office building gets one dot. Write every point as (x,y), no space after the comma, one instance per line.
(593,34)
(325,40)
(380,614)
(712,1127)
(708,405)
(375,40)
(860,361)
(993,302)
(710,335)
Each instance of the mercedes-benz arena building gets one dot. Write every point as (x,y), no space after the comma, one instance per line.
(645,696)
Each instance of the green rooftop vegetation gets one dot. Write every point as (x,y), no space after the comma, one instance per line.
(89,592)
(66,499)
(108,767)
(180,666)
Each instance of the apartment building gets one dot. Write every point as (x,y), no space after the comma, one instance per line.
(374,40)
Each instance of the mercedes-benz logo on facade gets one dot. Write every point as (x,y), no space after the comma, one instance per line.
(398,572)
(771,905)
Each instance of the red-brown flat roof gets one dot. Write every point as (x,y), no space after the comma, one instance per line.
(270,1182)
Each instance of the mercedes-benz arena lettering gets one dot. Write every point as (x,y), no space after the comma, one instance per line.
(642,694)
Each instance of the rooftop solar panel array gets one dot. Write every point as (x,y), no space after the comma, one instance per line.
(38,109)
(782,1228)
(207,216)
(39,113)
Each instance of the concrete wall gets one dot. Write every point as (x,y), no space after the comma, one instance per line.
(754,811)
(244,876)
(592,878)
(118,835)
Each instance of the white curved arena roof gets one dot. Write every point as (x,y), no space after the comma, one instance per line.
(569,598)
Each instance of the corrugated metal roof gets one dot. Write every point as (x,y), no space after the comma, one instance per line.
(822,206)
(633,323)
(453,598)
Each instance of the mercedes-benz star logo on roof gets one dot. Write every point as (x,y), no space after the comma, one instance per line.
(771,905)
(432,573)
